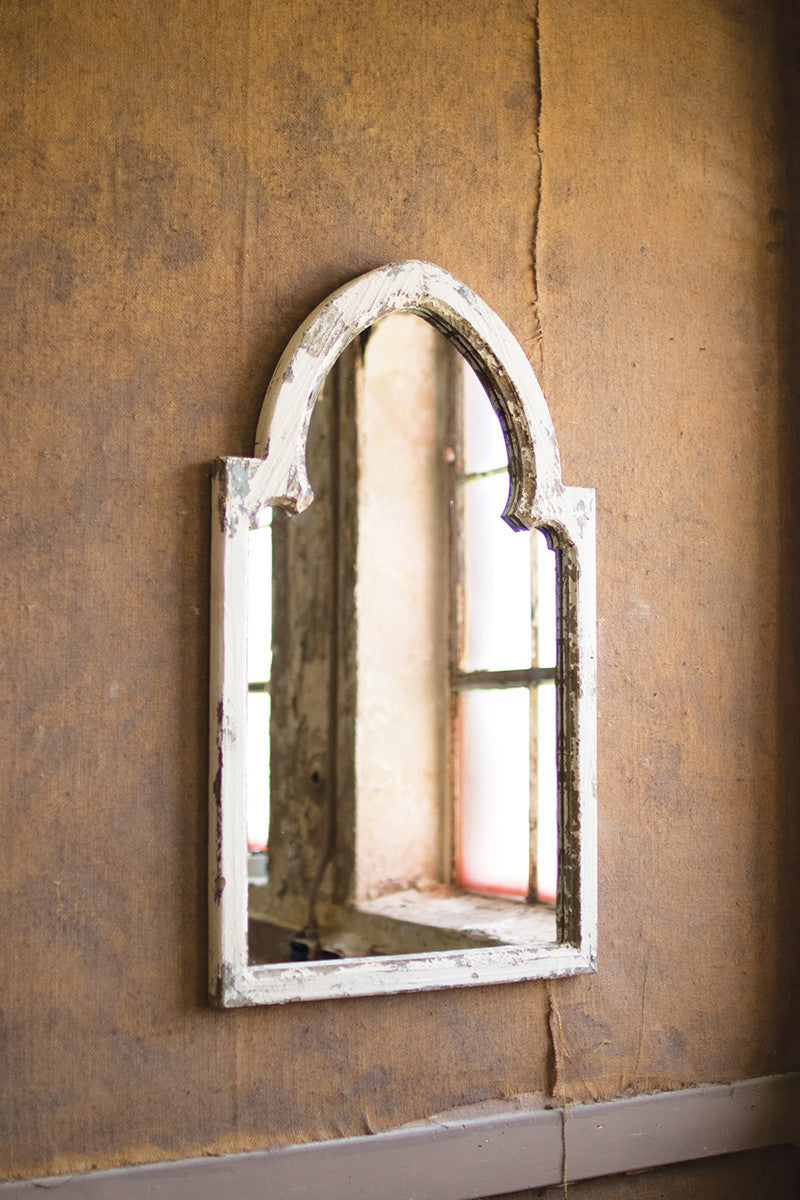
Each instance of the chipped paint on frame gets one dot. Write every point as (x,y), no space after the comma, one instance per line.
(277,476)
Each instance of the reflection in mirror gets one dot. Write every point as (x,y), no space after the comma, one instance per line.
(259,671)
(401,757)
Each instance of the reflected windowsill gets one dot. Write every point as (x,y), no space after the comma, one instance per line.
(501,920)
(412,922)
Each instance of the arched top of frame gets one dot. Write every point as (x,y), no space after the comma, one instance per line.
(463,318)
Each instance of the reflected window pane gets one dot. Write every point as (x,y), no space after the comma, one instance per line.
(494,791)
(258,706)
(484,446)
(545,591)
(259,603)
(496,581)
(546,793)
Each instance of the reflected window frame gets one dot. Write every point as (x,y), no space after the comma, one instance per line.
(509,660)
(276,476)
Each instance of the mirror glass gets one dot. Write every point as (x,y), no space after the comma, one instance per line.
(402,654)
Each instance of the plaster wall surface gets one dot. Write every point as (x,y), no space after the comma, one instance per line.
(182,184)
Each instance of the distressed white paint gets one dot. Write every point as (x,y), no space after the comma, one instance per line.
(277,476)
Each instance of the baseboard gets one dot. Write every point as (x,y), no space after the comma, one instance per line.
(471,1153)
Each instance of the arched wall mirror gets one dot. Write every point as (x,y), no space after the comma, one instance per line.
(403,670)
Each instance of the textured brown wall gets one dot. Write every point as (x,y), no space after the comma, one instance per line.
(184,183)
(662,270)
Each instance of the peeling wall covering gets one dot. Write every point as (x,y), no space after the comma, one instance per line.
(182,185)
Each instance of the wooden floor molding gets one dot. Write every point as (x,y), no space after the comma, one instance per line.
(469,1154)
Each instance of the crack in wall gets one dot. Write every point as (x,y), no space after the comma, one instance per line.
(555,1031)
(537,199)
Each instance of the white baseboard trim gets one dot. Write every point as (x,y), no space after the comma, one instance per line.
(469,1154)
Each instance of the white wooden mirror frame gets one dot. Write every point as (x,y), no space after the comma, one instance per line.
(276,476)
